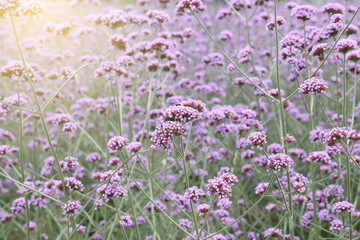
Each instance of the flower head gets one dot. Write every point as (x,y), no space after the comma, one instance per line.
(336,225)
(334,135)
(277,161)
(72,208)
(163,134)
(303,12)
(343,206)
(191,5)
(117,142)
(257,139)
(126,221)
(313,86)
(345,45)
(194,193)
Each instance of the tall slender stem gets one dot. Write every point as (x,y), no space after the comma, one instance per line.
(282,122)
(206,218)
(21,157)
(347,160)
(188,185)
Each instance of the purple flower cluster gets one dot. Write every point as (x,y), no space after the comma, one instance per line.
(313,86)
(273,232)
(320,156)
(343,206)
(72,208)
(299,182)
(18,205)
(191,5)
(164,133)
(303,12)
(69,164)
(117,142)
(345,45)
(334,135)
(119,42)
(126,221)
(277,161)
(174,118)
(336,225)
(134,147)
(111,190)
(194,193)
(180,114)
(257,139)
(73,184)
(261,188)
(221,186)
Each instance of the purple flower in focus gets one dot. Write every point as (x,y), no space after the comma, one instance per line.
(313,86)
(336,225)
(117,142)
(194,193)
(343,206)
(277,161)
(72,208)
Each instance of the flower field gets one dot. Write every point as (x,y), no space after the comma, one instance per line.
(179,119)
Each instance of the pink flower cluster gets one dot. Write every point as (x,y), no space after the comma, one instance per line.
(343,206)
(277,161)
(117,142)
(72,208)
(261,188)
(334,135)
(180,114)
(320,156)
(221,186)
(191,5)
(194,193)
(257,139)
(313,86)
(164,133)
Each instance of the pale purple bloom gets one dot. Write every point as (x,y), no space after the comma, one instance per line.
(72,208)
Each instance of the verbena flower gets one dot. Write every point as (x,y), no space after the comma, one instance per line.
(72,208)
(343,206)
(126,221)
(194,193)
(320,156)
(277,161)
(117,142)
(334,135)
(336,225)
(257,139)
(313,86)
(164,133)
(273,232)
(190,5)
(303,12)
(345,45)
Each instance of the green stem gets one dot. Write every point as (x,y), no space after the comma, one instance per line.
(21,156)
(206,218)
(131,200)
(347,160)
(188,186)
(282,123)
